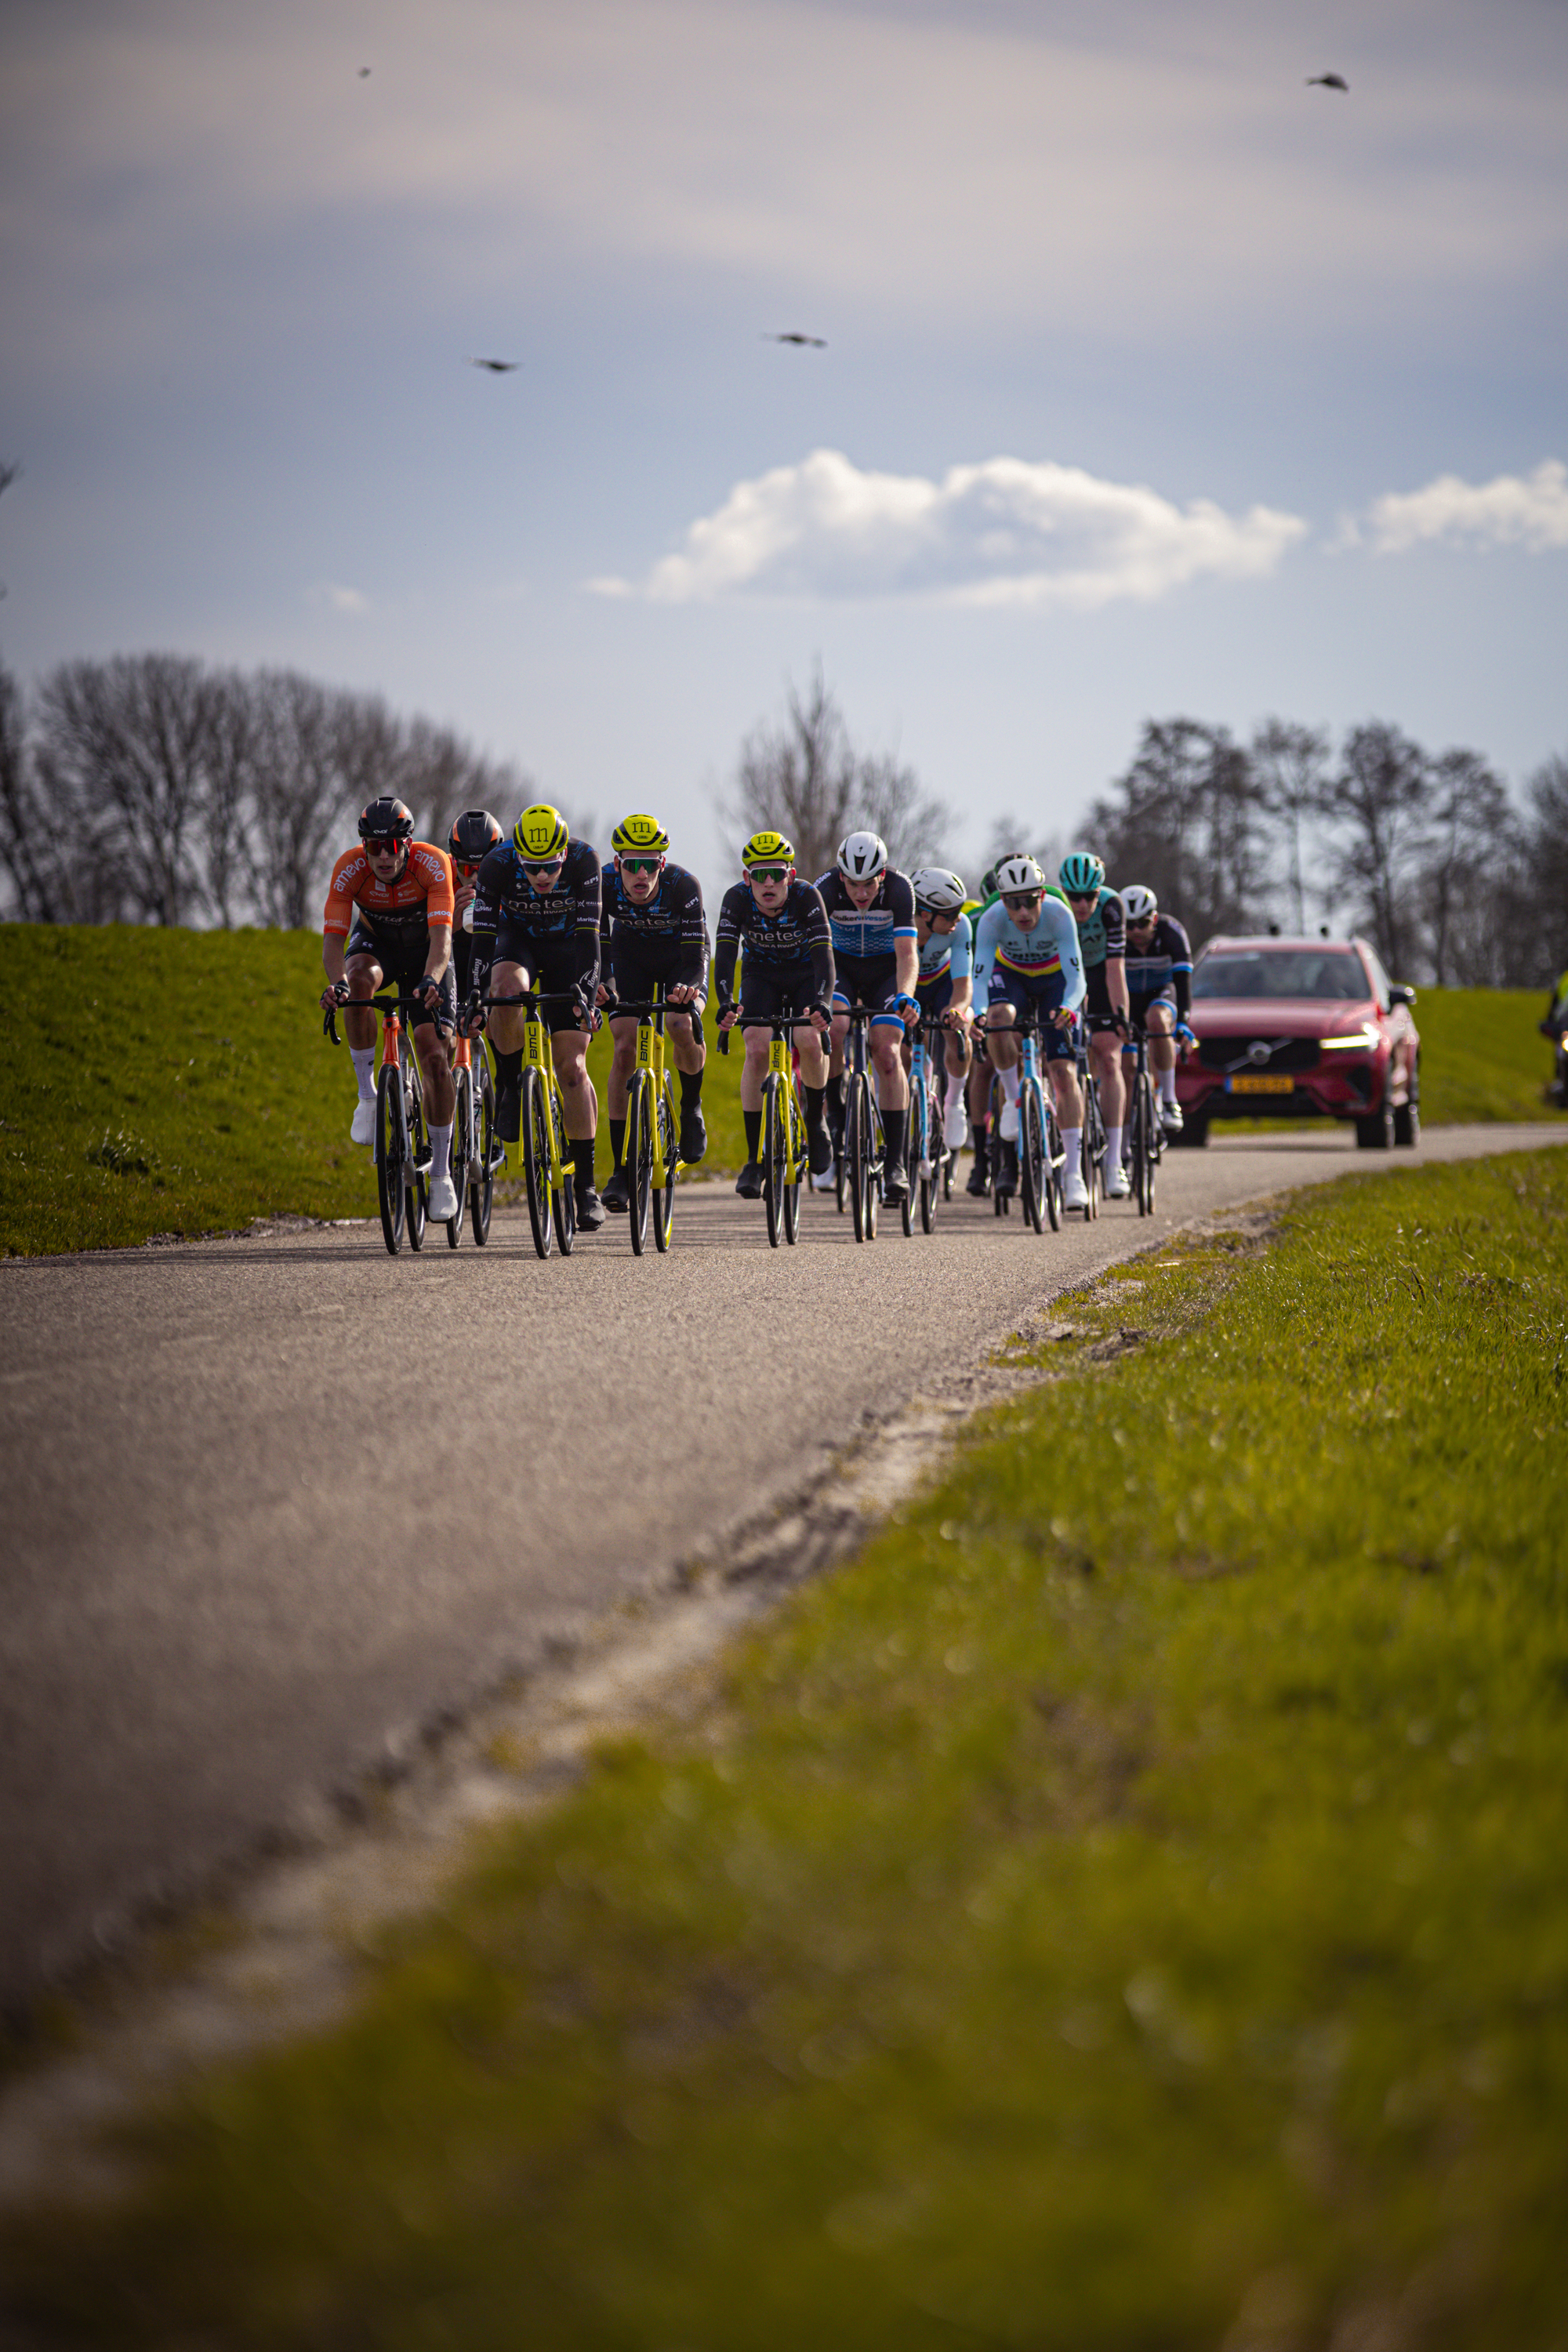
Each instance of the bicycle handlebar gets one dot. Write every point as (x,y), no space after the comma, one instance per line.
(383,1003)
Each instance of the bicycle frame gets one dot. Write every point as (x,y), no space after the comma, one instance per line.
(551,1197)
(650,1087)
(783,1122)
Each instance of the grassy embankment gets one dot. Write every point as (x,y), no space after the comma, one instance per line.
(1125,1905)
(178,1082)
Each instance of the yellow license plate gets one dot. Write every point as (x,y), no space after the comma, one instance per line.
(1260,1086)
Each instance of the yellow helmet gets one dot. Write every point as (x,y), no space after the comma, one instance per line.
(640,837)
(767,848)
(540,833)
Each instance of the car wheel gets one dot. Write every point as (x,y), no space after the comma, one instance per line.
(1407,1118)
(1375,1133)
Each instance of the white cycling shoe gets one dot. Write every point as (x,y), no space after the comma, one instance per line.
(956,1126)
(824,1183)
(1117,1187)
(443,1199)
(363,1128)
(1075,1191)
(1010,1122)
(1171,1117)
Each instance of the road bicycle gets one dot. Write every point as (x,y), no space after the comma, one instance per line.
(785,1150)
(930,1160)
(477,1150)
(865,1144)
(1040,1152)
(1093,1128)
(1145,1135)
(653,1128)
(402,1140)
(547,1164)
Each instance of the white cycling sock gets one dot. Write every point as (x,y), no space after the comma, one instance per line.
(1113,1147)
(1168,1085)
(1072,1144)
(363,1059)
(1009,1083)
(440,1154)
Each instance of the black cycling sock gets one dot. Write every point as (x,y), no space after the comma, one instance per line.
(583,1153)
(754,1120)
(836,1097)
(893,1135)
(815,1104)
(509,1067)
(691,1088)
(618,1141)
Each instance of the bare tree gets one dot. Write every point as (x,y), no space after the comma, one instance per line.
(804,779)
(129,738)
(1378,802)
(228,798)
(314,758)
(1460,887)
(1546,855)
(1186,820)
(1289,764)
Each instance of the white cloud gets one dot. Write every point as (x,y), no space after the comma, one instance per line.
(332,596)
(1003,532)
(1528,510)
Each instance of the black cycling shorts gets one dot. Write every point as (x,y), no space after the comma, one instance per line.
(1020,990)
(401,966)
(871,981)
(635,968)
(1097,1006)
(769,990)
(1166,996)
(551,964)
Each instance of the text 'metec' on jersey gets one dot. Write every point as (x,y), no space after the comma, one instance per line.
(419,901)
(672,921)
(787,936)
(1167,960)
(861,931)
(951,952)
(504,897)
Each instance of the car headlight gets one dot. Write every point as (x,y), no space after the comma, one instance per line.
(1359,1040)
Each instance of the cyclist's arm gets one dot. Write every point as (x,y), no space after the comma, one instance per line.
(337,916)
(986,931)
(1116,985)
(1181,970)
(726,948)
(1059,921)
(693,937)
(819,938)
(334,954)
(590,907)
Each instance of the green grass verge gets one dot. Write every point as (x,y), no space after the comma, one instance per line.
(1125,1905)
(1481,1057)
(177,1082)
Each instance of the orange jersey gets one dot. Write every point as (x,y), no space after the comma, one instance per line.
(420,899)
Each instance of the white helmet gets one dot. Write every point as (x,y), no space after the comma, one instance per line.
(937,892)
(1137,902)
(862,857)
(1016,873)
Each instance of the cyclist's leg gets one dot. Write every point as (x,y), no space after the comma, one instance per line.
(624,1038)
(1160,1020)
(431,1037)
(762,994)
(364,973)
(1059,1056)
(813,1056)
(516,961)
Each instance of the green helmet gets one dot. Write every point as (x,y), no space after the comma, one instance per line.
(1081,872)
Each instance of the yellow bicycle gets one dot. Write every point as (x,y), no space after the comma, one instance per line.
(783,1124)
(547,1164)
(653,1154)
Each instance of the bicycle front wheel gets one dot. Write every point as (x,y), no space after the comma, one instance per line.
(640,1143)
(1054,1158)
(798,1149)
(389,1156)
(563,1196)
(535,1128)
(418,1189)
(482,1172)
(857,1154)
(776,1151)
(663,1195)
(462,1150)
(1147,1115)
(1033,1176)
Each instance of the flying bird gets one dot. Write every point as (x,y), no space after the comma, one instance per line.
(364,73)
(815,342)
(1327,81)
(498,367)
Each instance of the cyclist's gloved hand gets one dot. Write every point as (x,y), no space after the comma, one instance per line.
(906,1005)
(1182,1034)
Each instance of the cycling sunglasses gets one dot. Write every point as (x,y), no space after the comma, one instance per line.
(1022,897)
(769,873)
(641,864)
(543,866)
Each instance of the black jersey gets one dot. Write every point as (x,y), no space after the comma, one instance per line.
(671,921)
(876,929)
(1163,968)
(506,904)
(797,934)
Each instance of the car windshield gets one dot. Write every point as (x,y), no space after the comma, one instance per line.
(1283,971)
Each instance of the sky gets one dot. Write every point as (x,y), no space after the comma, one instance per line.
(1156,381)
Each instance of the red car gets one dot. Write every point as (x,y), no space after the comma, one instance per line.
(1296,1028)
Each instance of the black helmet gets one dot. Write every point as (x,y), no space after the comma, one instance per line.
(473,836)
(386,819)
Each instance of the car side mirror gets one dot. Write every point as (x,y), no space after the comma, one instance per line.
(1397,995)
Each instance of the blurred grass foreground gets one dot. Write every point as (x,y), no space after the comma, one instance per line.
(1125,1908)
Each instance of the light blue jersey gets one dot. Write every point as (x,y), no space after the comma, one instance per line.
(1050,952)
(953,954)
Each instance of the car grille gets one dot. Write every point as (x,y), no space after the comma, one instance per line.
(1241,1053)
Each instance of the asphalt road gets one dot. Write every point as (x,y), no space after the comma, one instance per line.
(269,1499)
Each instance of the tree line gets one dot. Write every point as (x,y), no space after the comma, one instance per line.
(153,789)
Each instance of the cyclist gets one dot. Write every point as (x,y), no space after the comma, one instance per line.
(536,925)
(1027,952)
(652,928)
(979,1182)
(1160,987)
(389,918)
(473,837)
(1097,911)
(872,910)
(787,965)
(944,988)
